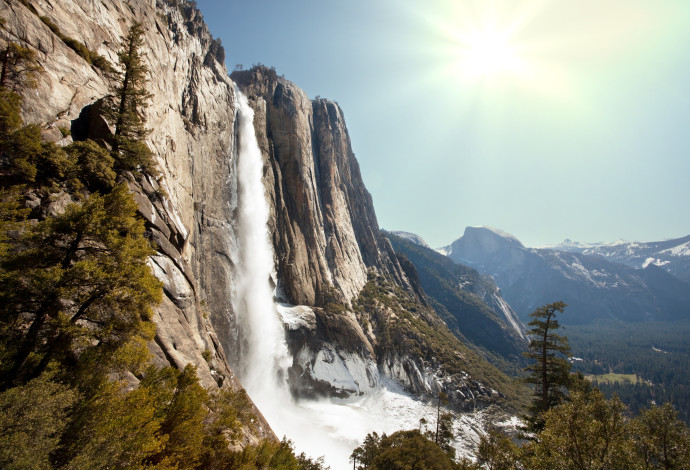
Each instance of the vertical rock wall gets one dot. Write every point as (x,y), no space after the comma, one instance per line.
(325,229)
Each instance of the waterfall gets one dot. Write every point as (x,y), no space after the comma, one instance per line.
(264,356)
(329,428)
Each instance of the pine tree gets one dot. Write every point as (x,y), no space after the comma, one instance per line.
(550,372)
(125,108)
(496,451)
(409,449)
(77,283)
(446,434)
(20,146)
(94,165)
(32,417)
(18,67)
(184,421)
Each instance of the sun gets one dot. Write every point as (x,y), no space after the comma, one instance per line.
(487,53)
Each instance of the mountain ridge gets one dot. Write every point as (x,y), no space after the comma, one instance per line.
(672,255)
(469,303)
(594,286)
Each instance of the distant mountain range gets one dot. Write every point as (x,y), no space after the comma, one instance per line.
(624,281)
(671,255)
(470,303)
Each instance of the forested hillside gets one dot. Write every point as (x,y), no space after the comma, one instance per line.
(470,304)
(650,362)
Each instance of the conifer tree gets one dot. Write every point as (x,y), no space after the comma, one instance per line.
(550,372)
(77,282)
(32,417)
(20,146)
(125,108)
(18,67)
(496,451)
(586,432)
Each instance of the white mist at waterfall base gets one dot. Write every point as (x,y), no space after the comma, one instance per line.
(329,428)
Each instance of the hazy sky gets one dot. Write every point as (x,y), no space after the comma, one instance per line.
(549,119)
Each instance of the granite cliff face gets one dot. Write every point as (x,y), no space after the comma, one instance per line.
(325,235)
(328,247)
(325,229)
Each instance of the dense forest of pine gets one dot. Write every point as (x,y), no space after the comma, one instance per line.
(658,353)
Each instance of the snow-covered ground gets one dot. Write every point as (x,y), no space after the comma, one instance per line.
(333,428)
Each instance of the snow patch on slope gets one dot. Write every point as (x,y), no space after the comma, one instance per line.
(297,316)
(386,409)
(655,262)
(680,250)
(411,237)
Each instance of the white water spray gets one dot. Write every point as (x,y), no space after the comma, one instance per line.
(330,428)
(264,356)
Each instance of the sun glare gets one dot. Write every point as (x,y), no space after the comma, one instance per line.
(487,53)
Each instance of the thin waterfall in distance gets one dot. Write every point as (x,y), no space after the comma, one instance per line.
(329,428)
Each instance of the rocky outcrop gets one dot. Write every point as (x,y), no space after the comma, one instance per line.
(332,355)
(323,222)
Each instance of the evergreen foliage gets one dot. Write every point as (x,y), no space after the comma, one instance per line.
(126,106)
(550,373)
(25,159)
(445,435)
(79,47)
(496,451)
(20,146)
(18,67)
(401,450)
(32,419)
(94,165)
(587,431)
(656,353)
(661,439)
(79,281)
